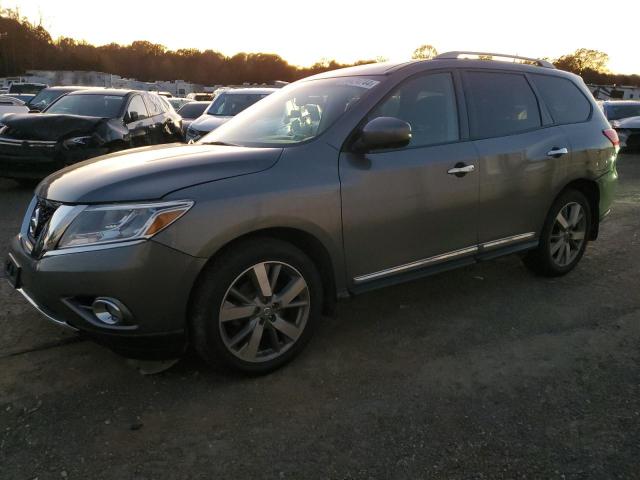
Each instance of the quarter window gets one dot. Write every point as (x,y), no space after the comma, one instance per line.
(563,98)
(500,104)
(428,104)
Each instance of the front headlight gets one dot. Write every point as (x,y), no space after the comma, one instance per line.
(102,224)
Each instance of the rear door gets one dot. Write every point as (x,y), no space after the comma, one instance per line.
(520,153)
(401,208)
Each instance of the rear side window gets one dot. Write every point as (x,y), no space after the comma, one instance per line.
(563,99)
(500,104)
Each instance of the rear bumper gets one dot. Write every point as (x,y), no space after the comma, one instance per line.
(153,281)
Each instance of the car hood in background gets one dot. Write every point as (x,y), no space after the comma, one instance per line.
(53,127)
(149,173)
(630,122)
(207,123)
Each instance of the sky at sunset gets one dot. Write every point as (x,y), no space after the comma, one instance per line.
(305,32)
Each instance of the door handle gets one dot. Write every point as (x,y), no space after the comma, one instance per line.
(556,152)
(460,169)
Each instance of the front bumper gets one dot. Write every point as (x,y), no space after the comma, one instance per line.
(36,160)
(153,281)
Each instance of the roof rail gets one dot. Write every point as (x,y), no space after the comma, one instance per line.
(456,54)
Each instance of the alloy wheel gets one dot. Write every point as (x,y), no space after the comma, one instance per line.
(264,311)
(568,234)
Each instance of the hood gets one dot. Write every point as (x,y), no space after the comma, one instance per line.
(207,123)
(53,127)
(149,173)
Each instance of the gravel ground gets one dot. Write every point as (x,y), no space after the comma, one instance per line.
(484,372)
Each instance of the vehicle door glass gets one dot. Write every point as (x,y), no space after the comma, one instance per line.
(136,110)
(428,104)
(500,104)
(562,97)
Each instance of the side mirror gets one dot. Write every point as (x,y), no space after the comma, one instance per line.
(383,132)
(34,110)
(133,117)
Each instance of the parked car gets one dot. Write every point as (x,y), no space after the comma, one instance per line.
(11,105)
(178,102)
(81,125)
(619,109)
(26,88)
(23,97)
(190,111)
(334,185)
(624,116)
(226,105)
(200,97)
(628,130)
(49,95)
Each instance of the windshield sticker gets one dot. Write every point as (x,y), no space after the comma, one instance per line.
(360,82)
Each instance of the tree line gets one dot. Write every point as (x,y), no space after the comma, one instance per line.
(28,46)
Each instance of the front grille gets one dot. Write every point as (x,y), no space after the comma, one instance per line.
(40,217)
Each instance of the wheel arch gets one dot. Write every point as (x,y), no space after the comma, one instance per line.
(591,190)
(303,240)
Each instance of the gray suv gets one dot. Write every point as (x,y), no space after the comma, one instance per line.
(337,184)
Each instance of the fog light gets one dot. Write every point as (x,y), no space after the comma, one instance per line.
(108,310)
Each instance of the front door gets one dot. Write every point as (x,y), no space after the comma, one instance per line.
(413,207)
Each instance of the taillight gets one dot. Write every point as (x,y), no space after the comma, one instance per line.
(612,135)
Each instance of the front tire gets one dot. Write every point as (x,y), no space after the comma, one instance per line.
(564,236)
(256,306)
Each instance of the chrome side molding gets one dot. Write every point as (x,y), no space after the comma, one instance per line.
(415,265)
(407,267)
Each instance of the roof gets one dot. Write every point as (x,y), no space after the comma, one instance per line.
(69,88)
(105,91)
(622,102)
(448,60)
(250,90)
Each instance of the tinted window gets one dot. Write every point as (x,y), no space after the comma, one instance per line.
(563,99)
(500,104)
(155,105)
(192,110)
(230,104)
(428,104)
(137,105)
(45,98)
(616,112)
(104,106)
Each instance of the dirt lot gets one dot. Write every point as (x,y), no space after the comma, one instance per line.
(484,372)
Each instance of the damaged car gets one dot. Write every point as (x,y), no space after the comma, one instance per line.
(82,125)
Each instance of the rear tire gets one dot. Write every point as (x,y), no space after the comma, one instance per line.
(564,236)
(255,307)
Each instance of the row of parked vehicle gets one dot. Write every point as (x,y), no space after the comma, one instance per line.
(64,125)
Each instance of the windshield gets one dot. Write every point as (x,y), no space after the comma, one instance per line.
(45,98)
(295,114)
(89,105)
(616,112)
(192,110)
(231,104)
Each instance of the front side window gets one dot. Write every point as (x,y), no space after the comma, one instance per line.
(136,106)
(500,104)
(428,104)
(563,98)
(90,105)
(294,114)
